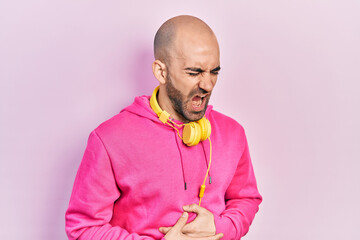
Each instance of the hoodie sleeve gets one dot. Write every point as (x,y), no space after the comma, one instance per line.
(242,200)
(94,193)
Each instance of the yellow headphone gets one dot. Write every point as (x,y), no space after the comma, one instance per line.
(193,132)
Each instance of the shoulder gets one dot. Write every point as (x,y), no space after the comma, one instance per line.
(225,122)
(227,133)
(111,123)
(115,125)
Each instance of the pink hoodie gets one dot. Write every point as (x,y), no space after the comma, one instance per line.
(132,178)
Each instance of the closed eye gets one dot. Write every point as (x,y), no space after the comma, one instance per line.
(216,70)
(193,71)
(193,74)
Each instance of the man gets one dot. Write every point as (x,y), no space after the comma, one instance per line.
(139,180)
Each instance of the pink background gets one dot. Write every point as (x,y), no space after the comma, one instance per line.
(290,75)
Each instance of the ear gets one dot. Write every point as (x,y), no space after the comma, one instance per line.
(160,71)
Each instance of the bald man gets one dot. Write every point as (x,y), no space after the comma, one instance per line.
(168,166)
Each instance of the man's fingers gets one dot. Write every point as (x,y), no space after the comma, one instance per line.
(164,230)
(193,208)
(189,228)
(178,226)
(217,236)
(181,222)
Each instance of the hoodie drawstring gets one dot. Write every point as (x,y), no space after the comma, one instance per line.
(207,162)
(181,158)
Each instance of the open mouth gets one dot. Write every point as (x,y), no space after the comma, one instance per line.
(198,101)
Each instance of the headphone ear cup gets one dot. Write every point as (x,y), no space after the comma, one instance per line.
(205,128)
(191,134)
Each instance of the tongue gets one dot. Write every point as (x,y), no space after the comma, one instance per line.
(197,101)
(196,98)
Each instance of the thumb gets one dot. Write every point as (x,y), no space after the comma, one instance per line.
(164,230)
(181,222)
(193,208)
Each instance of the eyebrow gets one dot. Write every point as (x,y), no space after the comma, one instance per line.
(216,69)
(199,70)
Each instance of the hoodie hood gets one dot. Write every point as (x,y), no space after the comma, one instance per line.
(141,107)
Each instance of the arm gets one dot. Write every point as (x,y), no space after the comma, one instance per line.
(92,200)
(242,200)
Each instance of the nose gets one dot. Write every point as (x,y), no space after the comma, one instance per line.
(207,82)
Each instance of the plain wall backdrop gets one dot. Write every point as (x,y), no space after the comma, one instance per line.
(290,75)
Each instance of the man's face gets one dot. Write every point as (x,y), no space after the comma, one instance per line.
(191,77)
(183,104)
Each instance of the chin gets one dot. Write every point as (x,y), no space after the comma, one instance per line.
(193,117)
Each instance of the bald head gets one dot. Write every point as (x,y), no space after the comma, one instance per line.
(187,62)
(177,29)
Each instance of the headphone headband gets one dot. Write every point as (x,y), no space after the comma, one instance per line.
(162,114)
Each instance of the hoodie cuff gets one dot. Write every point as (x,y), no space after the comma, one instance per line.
(224,225)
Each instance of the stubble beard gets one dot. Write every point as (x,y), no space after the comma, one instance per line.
(180,102)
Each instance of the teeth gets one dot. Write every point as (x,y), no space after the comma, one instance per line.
(198,103)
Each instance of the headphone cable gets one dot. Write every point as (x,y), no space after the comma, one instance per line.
(202,188)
